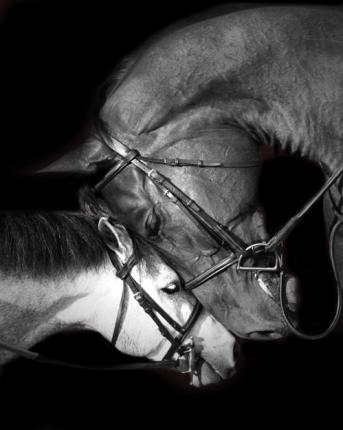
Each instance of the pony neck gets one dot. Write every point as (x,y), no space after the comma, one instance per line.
(32,310)
(96,304)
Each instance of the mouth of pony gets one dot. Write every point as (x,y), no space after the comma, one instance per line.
(207,374)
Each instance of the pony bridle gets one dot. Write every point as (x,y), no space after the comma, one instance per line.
(240,252)
(182,345)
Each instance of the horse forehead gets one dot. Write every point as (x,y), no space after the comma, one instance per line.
(170,73)
(131,192)
(232,39)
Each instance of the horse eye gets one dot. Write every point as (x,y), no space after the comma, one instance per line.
(171,288)
(153,224)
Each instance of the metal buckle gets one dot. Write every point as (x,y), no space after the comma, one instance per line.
(258,249)
(186,360)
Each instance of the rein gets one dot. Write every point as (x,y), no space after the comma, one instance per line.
(294,221)
(220,233)
(42,359)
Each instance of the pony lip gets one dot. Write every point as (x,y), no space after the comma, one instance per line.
(216,373)
(206,374)
(217,370)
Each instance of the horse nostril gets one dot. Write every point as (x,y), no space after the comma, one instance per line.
(292,294)
(236,352)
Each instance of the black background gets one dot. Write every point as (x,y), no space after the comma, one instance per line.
(54,54)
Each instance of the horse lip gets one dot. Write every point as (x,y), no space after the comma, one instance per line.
(265,335)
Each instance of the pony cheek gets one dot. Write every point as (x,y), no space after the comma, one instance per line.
(139,335)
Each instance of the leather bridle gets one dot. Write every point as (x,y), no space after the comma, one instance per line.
(152,308)
(240,251)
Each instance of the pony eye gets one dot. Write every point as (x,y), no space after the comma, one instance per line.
(171,288)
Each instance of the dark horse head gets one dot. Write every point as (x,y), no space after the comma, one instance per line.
(212,91)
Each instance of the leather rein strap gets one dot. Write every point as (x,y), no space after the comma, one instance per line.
(284,232)
(294,221)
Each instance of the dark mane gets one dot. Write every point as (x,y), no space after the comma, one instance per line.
(49,244)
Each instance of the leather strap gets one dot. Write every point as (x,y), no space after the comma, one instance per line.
(123,273)
(120,315)
(112,173)
(183,162)
(126,268)
(289,226)
(186,329)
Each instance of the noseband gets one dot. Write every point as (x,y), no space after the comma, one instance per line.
(240,251)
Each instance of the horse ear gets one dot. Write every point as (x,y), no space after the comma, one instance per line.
(116,238)
(81,160)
